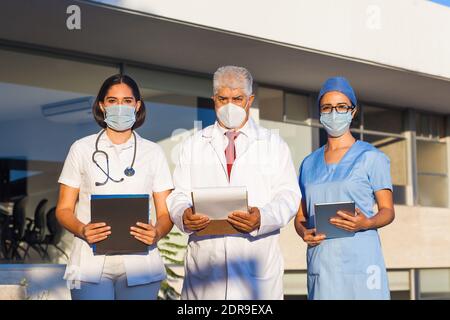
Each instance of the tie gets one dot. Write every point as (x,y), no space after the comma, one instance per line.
(230,151)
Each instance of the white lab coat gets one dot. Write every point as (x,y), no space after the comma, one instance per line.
(248,266)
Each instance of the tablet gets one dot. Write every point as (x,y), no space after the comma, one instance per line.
(120,211)
(217,203)
(324,212)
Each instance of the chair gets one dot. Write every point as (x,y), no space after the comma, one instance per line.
(56,233)
(13,229)
(36,228)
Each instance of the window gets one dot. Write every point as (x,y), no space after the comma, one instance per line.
(432,175)
(395,149)
(42,113)
(296,107)
(45,106)
(382,119)
(434,283)
(173,102)
(430,126)
(270,103)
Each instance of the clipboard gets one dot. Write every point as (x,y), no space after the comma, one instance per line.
(322,214)
(217,203)
(120,212)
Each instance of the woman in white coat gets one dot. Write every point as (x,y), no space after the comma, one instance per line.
(235,151)
(114,161)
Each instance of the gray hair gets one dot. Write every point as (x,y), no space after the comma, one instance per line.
(233,77)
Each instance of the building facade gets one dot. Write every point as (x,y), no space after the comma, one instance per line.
(54,55)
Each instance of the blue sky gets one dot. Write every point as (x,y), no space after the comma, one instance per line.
(443,2)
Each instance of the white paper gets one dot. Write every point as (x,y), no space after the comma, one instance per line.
(217,203)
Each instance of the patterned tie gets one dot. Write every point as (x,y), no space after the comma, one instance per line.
(230,151)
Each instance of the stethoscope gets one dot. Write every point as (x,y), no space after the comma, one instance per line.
(129,171)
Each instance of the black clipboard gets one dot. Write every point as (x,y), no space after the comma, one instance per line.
(322,214)
(120,212)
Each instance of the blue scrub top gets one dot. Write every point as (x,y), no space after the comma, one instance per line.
(351,267)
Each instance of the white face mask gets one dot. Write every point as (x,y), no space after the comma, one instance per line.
(231,115)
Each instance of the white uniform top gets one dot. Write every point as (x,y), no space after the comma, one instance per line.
(152,175)
(245,266)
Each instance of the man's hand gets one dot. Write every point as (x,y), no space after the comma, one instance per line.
(351,223)
(245,221)
(194,222)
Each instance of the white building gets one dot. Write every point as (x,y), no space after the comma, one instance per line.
(396,54)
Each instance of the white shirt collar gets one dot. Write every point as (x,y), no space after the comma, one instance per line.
(104,139)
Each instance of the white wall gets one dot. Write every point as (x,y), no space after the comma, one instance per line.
(409,34)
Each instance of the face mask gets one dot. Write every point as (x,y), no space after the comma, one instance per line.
(120,117)
(231,115)
(336,124)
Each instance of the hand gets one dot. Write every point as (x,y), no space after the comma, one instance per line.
(245,221)
(311,238)
(351,223)
(145,233)
(95,232)
(195,221)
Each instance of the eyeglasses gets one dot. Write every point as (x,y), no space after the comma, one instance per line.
(340,108)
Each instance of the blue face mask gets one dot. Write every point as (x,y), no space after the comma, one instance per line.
(120,117)
(336,124)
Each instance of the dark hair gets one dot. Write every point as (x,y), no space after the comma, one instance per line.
(107,84)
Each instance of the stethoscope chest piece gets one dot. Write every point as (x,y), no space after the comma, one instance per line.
(129,172)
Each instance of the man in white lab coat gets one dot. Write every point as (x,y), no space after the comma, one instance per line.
(235,151)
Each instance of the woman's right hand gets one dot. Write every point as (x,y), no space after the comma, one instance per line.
(311,238)
(95,232)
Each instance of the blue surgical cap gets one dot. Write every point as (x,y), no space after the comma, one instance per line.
(338,84)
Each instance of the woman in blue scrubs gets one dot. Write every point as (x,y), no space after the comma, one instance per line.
(345,169)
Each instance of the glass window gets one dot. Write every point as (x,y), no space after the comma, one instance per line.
(298,138)
(432,173)
(174,102)
(430,126)
(395,149)
(45,106)
(382,119)
(270,103)
(434,283)
(297,107)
